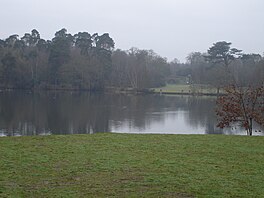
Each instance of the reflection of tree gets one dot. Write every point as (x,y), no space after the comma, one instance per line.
(65,112)
(212,129)
(140,110)
(201,113)
(78,113)
(130,108)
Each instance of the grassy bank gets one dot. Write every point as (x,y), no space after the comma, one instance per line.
(187,89)
(122,165)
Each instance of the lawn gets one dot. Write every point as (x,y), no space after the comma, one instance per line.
(184,88)
(123,165)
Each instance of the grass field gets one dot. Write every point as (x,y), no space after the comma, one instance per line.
(177,88)
(122,165)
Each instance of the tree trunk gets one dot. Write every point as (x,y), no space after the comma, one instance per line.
(36,73)
(250,127)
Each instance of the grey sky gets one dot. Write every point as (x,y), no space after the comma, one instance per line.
(172,28)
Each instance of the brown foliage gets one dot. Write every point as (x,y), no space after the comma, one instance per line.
(243,105)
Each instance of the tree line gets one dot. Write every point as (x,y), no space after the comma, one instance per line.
(222,65)
(90,61)
(79,61)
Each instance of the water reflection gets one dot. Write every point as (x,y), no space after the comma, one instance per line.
(43,113)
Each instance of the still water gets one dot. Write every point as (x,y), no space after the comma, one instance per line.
(44,113)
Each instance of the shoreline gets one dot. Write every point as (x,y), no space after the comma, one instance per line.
(116,91)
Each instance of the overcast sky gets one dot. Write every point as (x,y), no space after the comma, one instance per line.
(172,28)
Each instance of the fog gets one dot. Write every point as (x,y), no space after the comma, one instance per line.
(172,28)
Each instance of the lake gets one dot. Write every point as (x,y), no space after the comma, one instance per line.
(42,113)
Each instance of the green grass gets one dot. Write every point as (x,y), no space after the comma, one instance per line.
(122,165)
(178,88)
(174,88)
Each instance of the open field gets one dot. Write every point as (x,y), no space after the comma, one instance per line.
(196,89)
(123,165)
